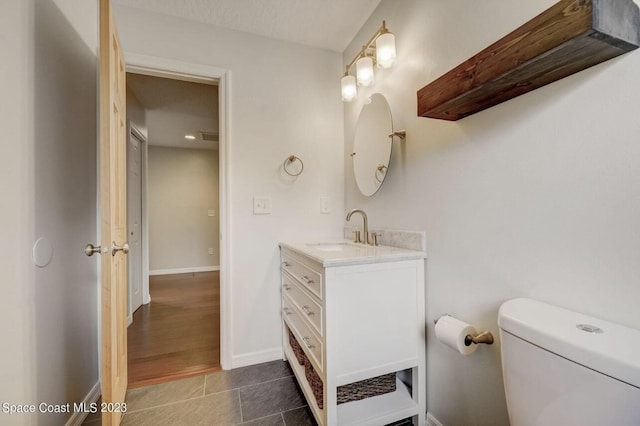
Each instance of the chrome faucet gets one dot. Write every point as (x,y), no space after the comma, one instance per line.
(366,223)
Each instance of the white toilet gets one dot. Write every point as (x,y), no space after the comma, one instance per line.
(562,368)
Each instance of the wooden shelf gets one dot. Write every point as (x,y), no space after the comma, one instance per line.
(567,38)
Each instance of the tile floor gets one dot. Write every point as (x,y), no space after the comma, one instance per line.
(265,395)
(259,395)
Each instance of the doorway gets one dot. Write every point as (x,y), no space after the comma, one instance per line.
(179,289)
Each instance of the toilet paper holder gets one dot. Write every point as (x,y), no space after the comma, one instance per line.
(484,337)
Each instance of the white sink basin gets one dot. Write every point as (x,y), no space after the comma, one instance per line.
(330,246)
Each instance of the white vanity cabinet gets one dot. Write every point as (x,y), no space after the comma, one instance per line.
(358,313)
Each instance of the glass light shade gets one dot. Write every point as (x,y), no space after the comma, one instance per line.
(349,90)
(364,71)
(386,50)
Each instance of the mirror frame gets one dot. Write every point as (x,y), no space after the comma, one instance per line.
(370,130)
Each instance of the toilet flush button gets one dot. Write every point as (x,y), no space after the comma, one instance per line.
(590,328)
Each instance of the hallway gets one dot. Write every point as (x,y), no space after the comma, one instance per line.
(177,335)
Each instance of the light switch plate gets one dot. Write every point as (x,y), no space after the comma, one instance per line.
(211,213)
(211,251)
(325,205)
(261,205)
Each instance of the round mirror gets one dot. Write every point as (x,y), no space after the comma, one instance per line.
(372,145)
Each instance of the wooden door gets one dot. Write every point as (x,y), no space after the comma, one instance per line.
(113,217)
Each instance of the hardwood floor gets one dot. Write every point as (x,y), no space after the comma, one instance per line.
(177,335)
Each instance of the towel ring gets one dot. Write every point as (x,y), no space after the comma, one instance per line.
(288,161)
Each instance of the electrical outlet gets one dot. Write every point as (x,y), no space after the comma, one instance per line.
(261,205)
(211,251)
(325,205)
(211,213)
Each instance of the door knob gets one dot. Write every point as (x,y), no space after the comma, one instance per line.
(90,249)
(116,248)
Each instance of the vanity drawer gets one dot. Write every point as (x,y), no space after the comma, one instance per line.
(311,344)
(311,309)
(310,279)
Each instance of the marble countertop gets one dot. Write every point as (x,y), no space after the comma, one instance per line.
(340,253)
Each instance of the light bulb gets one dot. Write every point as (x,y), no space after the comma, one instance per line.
(364,71)
(386,50)
(349,90)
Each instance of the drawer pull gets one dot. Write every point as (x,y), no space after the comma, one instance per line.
(287,311)
(307,310)
(306,341)
(307,279)
(286,287)
(286,264)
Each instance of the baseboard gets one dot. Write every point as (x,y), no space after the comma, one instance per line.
(432,421)
(259,357)
(183,270)
(79,416)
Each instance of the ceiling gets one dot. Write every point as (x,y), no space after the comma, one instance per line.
(176,108)
(328,24)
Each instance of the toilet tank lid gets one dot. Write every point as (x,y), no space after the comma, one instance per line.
(611,349)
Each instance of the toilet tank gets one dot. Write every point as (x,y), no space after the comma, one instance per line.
(564,368)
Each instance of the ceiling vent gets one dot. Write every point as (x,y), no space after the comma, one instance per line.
(209,136)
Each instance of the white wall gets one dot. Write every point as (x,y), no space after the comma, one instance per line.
(183,186)
(284,100)
(537,197)
(16,235)
(49,315)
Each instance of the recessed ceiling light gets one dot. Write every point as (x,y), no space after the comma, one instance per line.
(190,137)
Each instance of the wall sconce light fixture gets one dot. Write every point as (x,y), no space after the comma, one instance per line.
(380,50)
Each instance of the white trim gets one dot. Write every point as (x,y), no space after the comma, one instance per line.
(163,67)
(146,295)
(432,421)
(207,74)
(224,147)
(79,416)
(183,270)
(259,357)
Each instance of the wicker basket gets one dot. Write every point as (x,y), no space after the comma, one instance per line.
(315,382)
(297,350)
(367,388)
(353,391)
